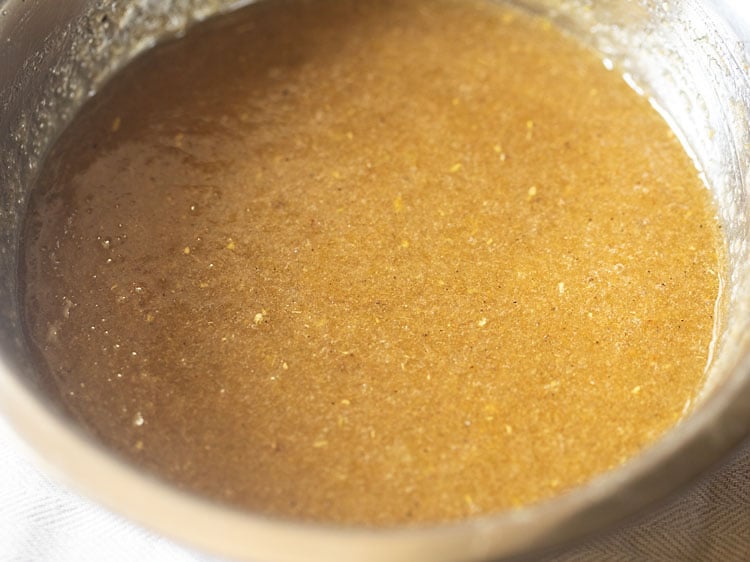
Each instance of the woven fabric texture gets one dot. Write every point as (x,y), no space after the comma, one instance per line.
(709,521)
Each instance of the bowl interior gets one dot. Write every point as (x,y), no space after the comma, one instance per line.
(686,56)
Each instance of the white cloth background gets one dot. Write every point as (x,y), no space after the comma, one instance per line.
(41,521)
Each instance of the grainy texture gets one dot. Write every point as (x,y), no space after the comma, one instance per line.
(373,262)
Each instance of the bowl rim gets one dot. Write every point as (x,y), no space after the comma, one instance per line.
(705,437)
(718,425)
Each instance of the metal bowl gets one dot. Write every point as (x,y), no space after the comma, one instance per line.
(690,57)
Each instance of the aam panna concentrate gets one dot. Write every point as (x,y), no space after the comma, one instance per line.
(373,263)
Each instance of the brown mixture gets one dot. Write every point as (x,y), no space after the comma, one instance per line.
(373,262)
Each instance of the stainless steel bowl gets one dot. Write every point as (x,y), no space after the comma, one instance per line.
(690,57)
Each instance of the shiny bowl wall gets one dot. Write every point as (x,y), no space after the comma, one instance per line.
(690,57)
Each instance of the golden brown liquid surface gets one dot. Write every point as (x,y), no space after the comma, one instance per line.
(373,262)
